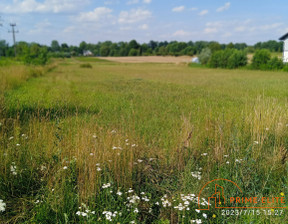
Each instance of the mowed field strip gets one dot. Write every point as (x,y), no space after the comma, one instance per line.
(150,59)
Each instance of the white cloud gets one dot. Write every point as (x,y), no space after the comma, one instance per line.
(132,2)
(144,27)
(178,9)
(134,16)
(147,1)
(203,12)
(54,6)
(98,14)
(180,33)
(193,9)
(69,29)
(210,30)
(224,7)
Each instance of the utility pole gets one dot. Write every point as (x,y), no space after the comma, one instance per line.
(14,39)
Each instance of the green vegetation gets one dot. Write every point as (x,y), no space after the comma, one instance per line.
(135,143)
(133,48)
(229,58)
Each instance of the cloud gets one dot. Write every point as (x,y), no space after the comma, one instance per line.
(210,30)
(98,14)
(178,9)
(193,9)
(203,12)
(147,1)
(30,6)
(132,2)
(180,33)
(224,7)
(144,27)
(133,16)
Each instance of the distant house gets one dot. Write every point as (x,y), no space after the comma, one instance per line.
(87,53)
(284,38)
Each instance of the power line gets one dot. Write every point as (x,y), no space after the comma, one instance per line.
(14,38)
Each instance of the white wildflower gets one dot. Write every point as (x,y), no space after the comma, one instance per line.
(98,169)
(256,142)
(140,160)
(204,154)
(130,190)
(106,185)
(91,154)
(205,215)
(17,145)
(119,193)
(136,210)
(13,169)
(2,206)
(113,131)
(65,168)
(11,138)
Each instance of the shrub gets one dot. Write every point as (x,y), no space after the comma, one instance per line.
(86,65)
(229,58)
(275,64)
(35,55)
(260,59)
(204,56)
(237,59)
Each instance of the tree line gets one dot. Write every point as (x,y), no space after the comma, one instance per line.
(32,51)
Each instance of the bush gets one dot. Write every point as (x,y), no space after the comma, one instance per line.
(86,65)
(275,64)
(35,55)
(260,59)
(237,59)
(204,56)
(229,58)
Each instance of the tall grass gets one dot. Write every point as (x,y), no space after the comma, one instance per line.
(77,144)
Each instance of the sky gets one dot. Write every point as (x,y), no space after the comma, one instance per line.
(73,21)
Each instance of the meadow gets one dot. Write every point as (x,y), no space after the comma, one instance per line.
(85,140)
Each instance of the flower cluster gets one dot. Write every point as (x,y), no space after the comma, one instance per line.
(13,168)
(165,201)
(110,215)
(197,173)
(86,212)
(106,185)
(196,221)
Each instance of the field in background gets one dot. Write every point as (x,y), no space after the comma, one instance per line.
(91,140)
(150,59)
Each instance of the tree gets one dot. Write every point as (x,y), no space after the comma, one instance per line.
(133,45)
(261,58)
(83,46)
(64,47)
(205,55)
(104,51)
(55,46)
(214,46)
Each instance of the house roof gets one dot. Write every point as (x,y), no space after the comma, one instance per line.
(284,37)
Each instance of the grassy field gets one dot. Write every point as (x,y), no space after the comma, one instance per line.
(93,141)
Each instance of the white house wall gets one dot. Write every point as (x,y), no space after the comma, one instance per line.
(285,51)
